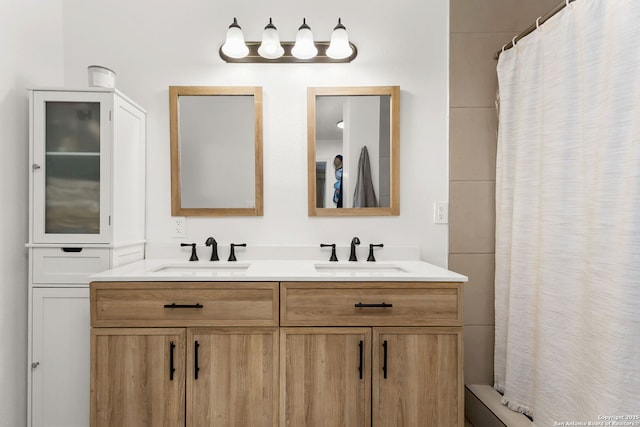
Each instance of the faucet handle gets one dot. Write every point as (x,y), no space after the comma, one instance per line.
(333,250)
(194,255)
(232,255)
(214,248)
(371,246)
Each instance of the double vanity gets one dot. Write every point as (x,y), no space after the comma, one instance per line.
(271,339)
(276,343)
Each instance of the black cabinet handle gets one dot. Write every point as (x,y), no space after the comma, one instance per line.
(174,305)
(384,366)
(361,345)
(75,250)
(196,368)
(172,368)
(381,305)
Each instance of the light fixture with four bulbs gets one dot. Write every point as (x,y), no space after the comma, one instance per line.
(272,50)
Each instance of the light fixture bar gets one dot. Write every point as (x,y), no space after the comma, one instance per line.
(288,58)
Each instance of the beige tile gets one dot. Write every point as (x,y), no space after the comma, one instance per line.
(478,354)
(472,144)
(497,15)
(472,216)
(473,78)
(479,290)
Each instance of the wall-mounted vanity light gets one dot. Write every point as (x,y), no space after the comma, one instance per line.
(234,46)
(304,47)
(270,47)
(272,50)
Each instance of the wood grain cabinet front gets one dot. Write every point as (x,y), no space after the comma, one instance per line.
(378,354)
(232,377)
(266,354)
(165,365)
(363,377)
(325,377)
(370,304)
(131,304)
(149,377)
(138,377)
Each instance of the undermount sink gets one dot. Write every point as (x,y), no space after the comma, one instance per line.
(369,269)
(202,269)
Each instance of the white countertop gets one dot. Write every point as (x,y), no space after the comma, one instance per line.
(278,270)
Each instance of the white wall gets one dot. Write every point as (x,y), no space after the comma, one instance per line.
(154,44)
(31,49)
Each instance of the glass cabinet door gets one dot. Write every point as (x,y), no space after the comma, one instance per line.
(69,167)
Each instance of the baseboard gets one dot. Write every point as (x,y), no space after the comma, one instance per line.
(482,408)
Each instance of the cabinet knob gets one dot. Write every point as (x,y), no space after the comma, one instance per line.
(34,365)
(35,166)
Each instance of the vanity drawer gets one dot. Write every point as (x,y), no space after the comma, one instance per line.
(371,304)
(135,304)
(68,264)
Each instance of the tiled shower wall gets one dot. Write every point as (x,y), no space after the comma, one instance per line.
(478,29)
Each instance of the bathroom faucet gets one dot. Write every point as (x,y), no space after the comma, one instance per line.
(333,250)
(232,255)
(371,246)
(214,248)
(194,255)
(354,242)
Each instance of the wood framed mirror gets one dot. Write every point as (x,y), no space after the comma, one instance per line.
(216,151)
(353,151)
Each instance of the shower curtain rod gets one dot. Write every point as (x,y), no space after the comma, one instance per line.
(541,20)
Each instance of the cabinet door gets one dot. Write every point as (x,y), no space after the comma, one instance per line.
(232,377)
(60,357)
(417,377)
(70,154)
(137,377)
(325,377)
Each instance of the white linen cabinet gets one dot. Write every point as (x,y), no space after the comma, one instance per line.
(87,214)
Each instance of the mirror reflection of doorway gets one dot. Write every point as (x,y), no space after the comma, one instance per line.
(365,122)
(321,172)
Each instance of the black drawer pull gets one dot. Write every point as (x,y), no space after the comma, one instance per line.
(361,346)
(172,368)
(196,368)
(71,249)
(174,305)
(384,366)
(381,305)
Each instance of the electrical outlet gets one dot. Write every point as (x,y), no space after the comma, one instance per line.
(441,213)
(179,226)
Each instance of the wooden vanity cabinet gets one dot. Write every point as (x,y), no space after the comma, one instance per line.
(419,381)
(234,379)
(173,359)
(138,377)
(326,377)
(410,370)
(294,354)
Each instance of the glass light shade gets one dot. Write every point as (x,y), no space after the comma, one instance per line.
(339,47)
(234,46)
(340,124)
(304,48)
(270,47)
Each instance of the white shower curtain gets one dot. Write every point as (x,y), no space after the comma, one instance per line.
(568,217)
